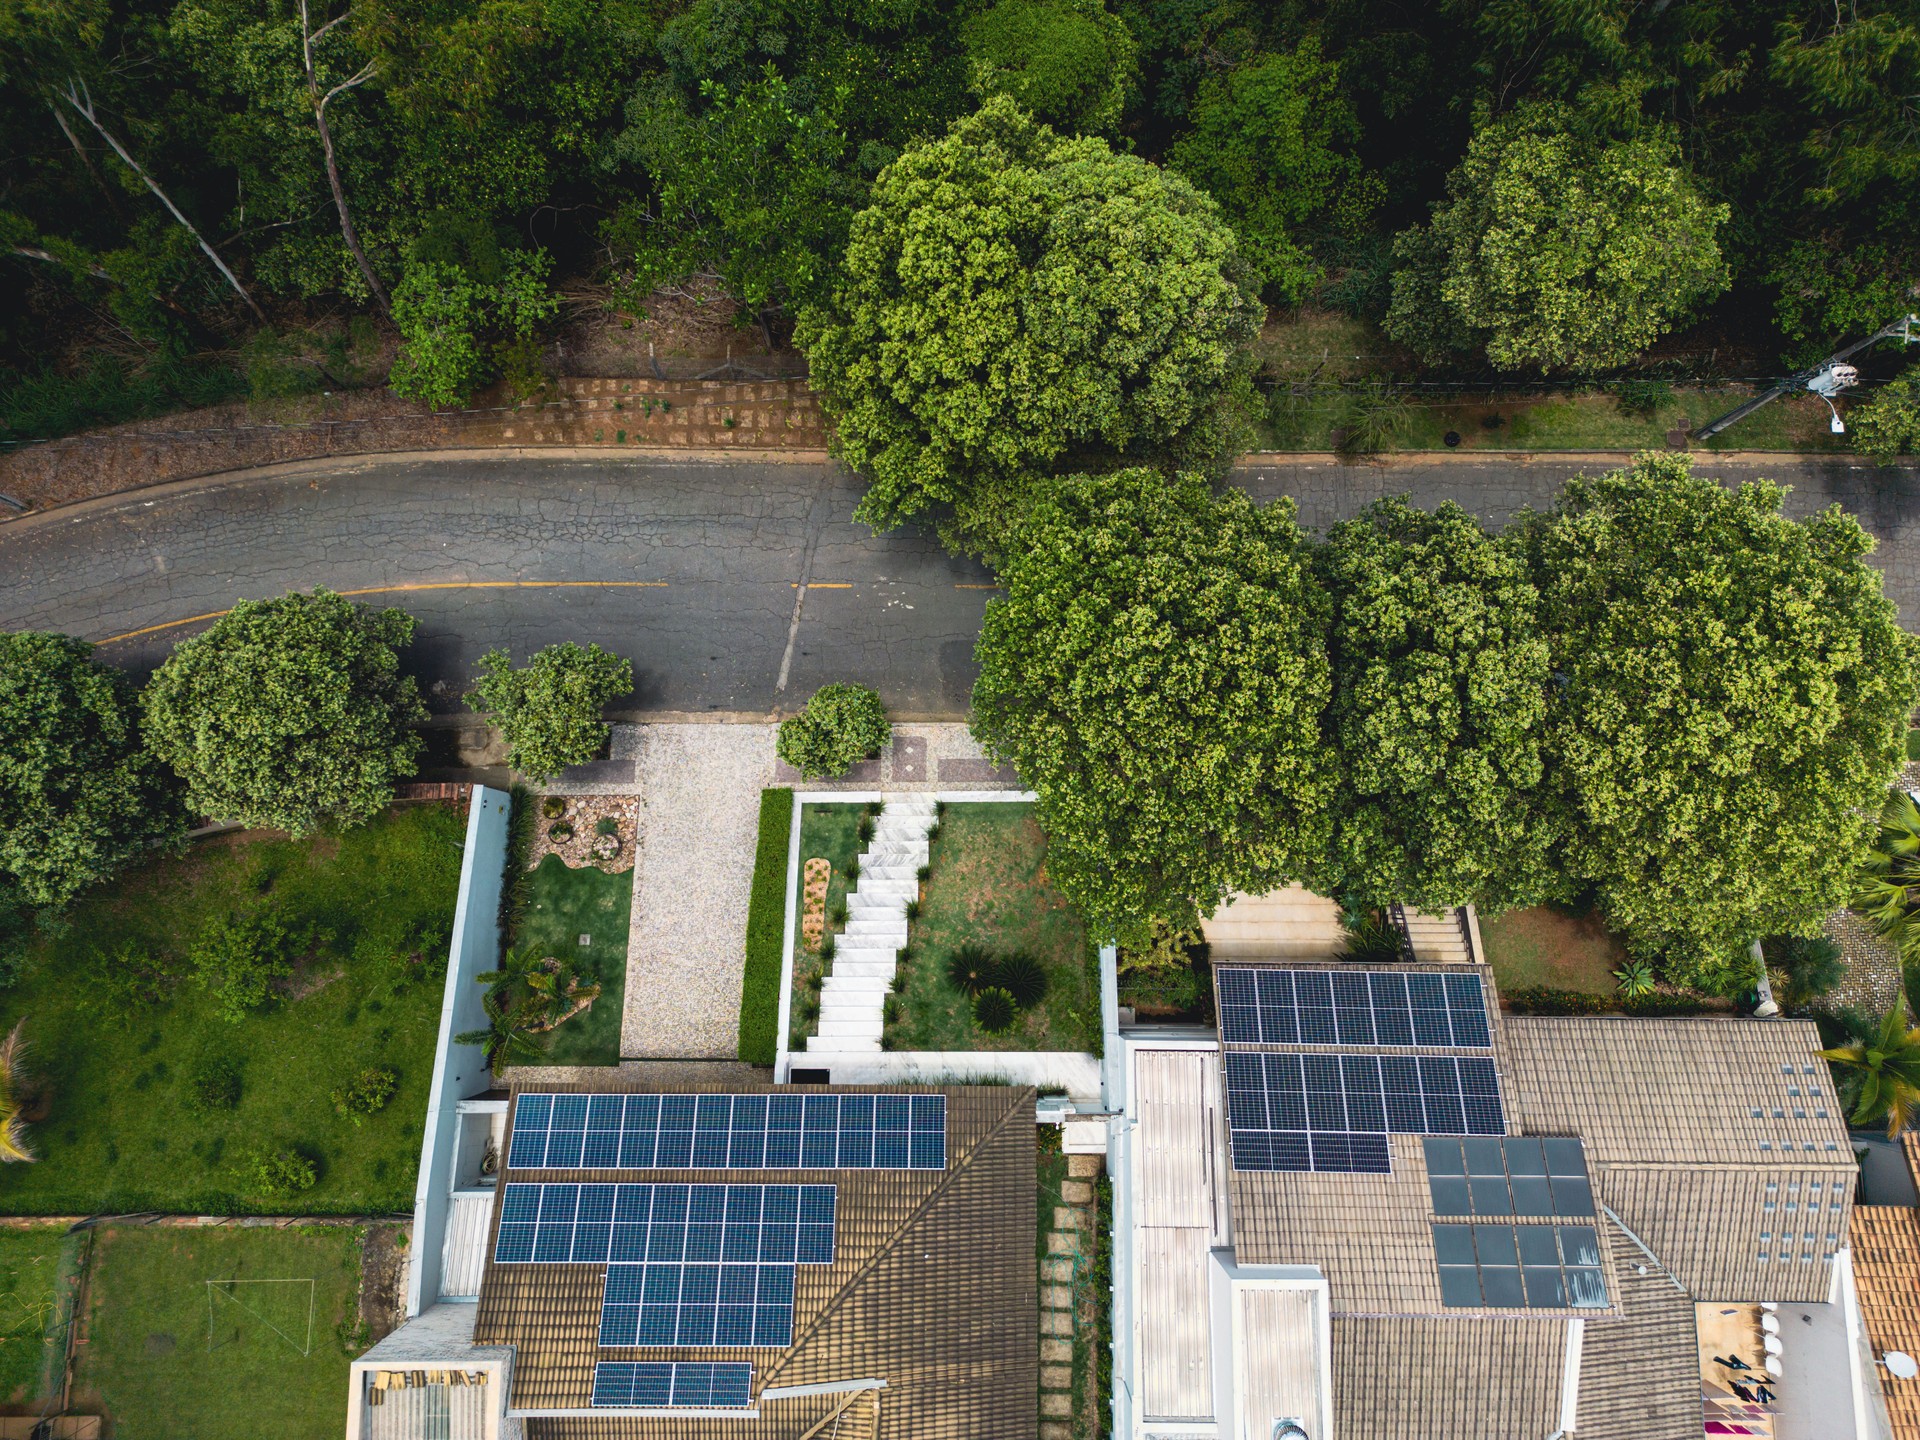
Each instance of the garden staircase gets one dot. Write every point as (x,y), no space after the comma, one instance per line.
(1438,937)
(853,1000)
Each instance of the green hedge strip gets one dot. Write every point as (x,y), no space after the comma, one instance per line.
(766,930)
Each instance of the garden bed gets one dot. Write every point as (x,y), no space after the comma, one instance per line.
(585,831)
(987,887)
(151,1099)
(263,1350)
(830,832)
(559,905)
(1545,947)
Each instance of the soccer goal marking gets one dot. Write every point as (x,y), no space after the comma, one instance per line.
(225,1288)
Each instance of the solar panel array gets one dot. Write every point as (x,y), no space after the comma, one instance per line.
(672,1385)
(1511,1175)
(1334,1112)
(729,1132)
(1520,1267)
(1352,1007)
(686,1264)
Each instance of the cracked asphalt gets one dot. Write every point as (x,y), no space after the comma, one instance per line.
(688,567)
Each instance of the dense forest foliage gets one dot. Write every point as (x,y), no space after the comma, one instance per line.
(199,196)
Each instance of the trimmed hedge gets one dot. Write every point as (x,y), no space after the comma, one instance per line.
(1546,1000)
(766,931)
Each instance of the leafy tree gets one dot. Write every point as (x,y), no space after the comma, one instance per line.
(1888,887)
(1157,671)
(841,726)
(550,710)
(1068,63)
(80,798)
(1556,249)
(1439,714)
(1731,701)
(464,307)
(1272,142)
(241,957)
(289,713)
(1012,296)
(1832,290)
(1889,423)
(1887,1068)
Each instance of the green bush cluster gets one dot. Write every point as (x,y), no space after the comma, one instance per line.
(840,726)
(999,986)
(241,957)
(276,1174)
(366,1094)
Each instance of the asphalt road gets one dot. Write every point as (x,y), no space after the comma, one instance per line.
(690,568)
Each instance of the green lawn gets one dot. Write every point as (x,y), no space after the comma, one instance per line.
(170,1357)
(562,904)
(124,1129)
(987,885)
(1544,946)
(37,1271)
(831,832)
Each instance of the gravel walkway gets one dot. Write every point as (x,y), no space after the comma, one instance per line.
(699,791)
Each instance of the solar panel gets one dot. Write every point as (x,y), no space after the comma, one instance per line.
(672,1385)
(1520,1267)
(686,1264)
(1260,1006)
(1334,1112)
(1511,1175)
(728,1132)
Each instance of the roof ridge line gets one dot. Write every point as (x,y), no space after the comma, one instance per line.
(885,1249)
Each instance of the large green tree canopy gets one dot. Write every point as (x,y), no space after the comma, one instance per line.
(1732,702)
(1439,713)
(1068,63)
(289,713)
(1012,296)
(79,796)
(1156,672)
(1556,249)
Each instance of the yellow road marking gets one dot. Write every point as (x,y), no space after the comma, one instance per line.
(823,585)
(419,585)
(976,587)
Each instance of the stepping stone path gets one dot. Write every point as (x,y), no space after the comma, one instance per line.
(853,1000)
(1067,1302)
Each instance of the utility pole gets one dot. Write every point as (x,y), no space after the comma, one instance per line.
(1826,379)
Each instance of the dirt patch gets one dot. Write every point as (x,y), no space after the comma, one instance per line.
(694,320)
(383,1281)
(583,844)
(309,978)
(1543,946)
(813,922)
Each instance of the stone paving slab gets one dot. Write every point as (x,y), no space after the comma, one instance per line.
(920,757)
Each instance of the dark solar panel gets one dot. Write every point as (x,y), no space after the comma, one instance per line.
(1352,1007)
(672,1385)
(1334,1112)
(1519,1267)
(728,1132)
(1510,1175)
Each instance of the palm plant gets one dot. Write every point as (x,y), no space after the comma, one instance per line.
(14,1098)
(1635,979)
(1889,885)
(507,1036)
(1371,939)
(1888,1069)
(555,991)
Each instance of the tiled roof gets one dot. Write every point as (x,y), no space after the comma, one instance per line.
(1488,1377)
(1640,1374)
(1886,1269)
(932,1289)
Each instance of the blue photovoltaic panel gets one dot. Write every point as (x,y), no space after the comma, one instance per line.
(729,1132)
(686,1264)
(1334,1112)
(672,1385)
(1352,1007)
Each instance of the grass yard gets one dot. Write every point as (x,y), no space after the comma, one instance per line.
(562,904)
(987,885)
(38,1271)
(125,1072)
(830,832)
(171,1357)
(1544,946)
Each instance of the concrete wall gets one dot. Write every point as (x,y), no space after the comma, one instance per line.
(460,1071)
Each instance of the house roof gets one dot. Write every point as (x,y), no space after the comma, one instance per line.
(1886,1272)
(1639,1374)
(932,1289)
(1490,1377)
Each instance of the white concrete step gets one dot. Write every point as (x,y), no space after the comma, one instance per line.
(843,1045)
(911,805)
(861,969)
(870,930)
(837,1029)
(854,954)
(905,887)
(871,905)
(891,870)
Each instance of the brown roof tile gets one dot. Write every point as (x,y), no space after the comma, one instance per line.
(1640,1374)
(1488,1377)
(1886,1270)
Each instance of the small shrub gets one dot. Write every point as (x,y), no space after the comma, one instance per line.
(923,873)
(827,947)
(1635,980)
(1808,967)
(129,977)
(240,957)
(1548,1000)
(841,725)
(1161,990)
(866,829)
(970,968)
(213,1084)
(606,825)
(276,1174)
(1022,977)
(994,1010)
(1641,398)
(890,1010)
(560,832)
(853,871)
(913,911)
(553,807)
(837,914)
(367,1094)
(1372,939)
